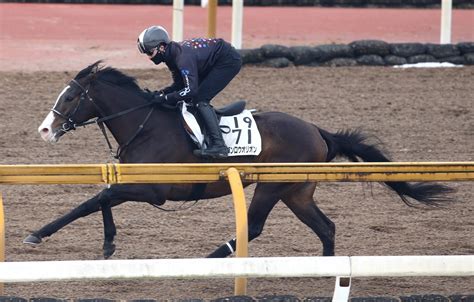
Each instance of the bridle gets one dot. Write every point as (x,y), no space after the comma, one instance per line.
(71,124)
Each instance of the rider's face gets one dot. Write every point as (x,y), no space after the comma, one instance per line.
(160,49)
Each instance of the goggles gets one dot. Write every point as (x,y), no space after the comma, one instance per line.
(142,49)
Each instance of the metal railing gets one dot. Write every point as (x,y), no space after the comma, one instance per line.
(236,174)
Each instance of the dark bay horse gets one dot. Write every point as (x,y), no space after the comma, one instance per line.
(151,134)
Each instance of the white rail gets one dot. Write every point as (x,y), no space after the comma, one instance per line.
(355,266)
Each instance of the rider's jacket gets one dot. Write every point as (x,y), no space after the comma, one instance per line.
(189,62)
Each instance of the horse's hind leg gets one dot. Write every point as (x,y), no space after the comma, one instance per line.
(301,203)
(264,199)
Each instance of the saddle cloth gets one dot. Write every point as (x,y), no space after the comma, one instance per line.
(239,131)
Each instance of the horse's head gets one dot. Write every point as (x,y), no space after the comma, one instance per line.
(73,106)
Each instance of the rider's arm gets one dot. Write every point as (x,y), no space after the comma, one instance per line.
(189,74)
(177,82)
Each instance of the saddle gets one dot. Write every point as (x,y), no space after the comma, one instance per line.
(231,109)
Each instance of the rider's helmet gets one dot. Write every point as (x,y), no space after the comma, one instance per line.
(151,38)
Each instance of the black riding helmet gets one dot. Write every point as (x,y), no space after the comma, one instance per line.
(151,38)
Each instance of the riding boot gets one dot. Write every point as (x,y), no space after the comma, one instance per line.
(217,147)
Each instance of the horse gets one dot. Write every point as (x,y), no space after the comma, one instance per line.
(150,133)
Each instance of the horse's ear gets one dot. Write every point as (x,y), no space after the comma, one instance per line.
(96,67)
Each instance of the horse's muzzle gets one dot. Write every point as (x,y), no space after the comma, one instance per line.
(50,131)
(51,136)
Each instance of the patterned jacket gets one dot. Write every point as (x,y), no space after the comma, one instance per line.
(189,62)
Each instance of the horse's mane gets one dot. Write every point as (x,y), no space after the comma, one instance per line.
(113,76)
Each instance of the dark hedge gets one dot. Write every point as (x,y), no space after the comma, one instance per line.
(363,52)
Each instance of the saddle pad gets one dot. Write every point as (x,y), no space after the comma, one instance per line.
(239,131)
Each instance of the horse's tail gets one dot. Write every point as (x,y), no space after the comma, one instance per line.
(353,145)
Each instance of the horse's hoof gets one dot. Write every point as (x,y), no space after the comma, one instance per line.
(32,239)
(109,250)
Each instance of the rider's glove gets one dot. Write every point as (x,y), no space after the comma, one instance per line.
(158,97)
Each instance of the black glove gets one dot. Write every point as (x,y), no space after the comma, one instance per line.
(158,98)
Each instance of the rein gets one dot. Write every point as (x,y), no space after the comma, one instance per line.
(70,124)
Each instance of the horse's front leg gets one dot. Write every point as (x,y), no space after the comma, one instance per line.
(109,229)
(104,201)
(117,194)
(86,208)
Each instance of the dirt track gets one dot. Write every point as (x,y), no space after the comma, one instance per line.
(421,115)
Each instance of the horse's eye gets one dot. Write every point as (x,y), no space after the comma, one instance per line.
(69,98)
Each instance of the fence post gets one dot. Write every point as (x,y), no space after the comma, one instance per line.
(240,207)
(446,15)
(211,18)
(342,289)
(178,20)
(237,22)
(2,238)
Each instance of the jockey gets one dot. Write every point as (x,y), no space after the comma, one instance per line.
(200,69)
